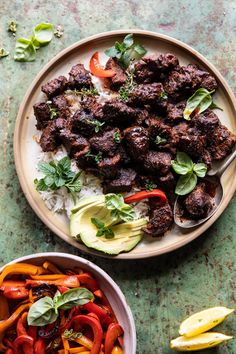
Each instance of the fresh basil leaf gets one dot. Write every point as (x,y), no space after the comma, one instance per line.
(186,184)
(25,50)
(43,33)
(215,106)
(46,168)
(73,297)
(201,99)
(128,41)
(179,169)
(200,169)
(3,53)
(114,201)
(100,233)
(98,223)
(183,159)
(42,312)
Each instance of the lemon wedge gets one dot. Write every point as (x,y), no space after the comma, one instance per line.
(202,341)
(203,321)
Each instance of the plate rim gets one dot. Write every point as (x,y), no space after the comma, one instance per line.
(127,256)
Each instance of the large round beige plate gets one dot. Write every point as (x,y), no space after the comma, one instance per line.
(27,150)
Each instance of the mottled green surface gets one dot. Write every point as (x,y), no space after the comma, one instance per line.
(161,291)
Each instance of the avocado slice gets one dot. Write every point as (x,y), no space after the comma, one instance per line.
(86,201)
(127,235)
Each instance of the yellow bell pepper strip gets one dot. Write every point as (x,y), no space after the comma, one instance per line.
(113,332)
(81,320)
(78,350)
(4,308)
(47,277)
(66,345)
(20,268)
(24,342)
(5,324)
(117,350)
(70,281)
(51,267)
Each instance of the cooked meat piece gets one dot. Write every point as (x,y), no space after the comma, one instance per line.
(61,105)
(220,142)
(162,63)
(141,116)
(198,203)
(73,142)
(91,105)
(147,94)
(118,113)
(116,81)
(42,114)
(206,122)
(157,162)
(105,141)
(174,112)
(200,78)
(83,122)
(108,167)
(181,128)
(79,77)
(167,182)
(85,160)
(143,73)
(125,158)
(157,128)
(160,219)
(50,138)
(55,86)
(178,83)
(137,141)
(123,183)
(206,158)
(192,142)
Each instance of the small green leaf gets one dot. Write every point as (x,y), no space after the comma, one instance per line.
(150,186)
(98,223)
(116,137)
(215,106)
(183,159)
(140,50)
(46,168)
(201,100)
(112,52)
(73,297)
(42,312)
(186,184)
(25,50)
(64,164)
(108,233)
(200,169)
(159,140)
(114,201)
(179,169)
(43,33)
(40,185)
(128,41)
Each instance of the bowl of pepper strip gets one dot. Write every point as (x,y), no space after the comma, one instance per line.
(61,303)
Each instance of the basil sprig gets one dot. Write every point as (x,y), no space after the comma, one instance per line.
(199,101)
(45,310)
(189,171)
(25,49)
(119,209)
(127,51)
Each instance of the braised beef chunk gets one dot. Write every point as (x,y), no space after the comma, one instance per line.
(84,159)
(160,219)
(118,113)
(79,77)
(162,63)
(83,122)
(142,73)
(220,142)
(192,142)
(61,105)
(73,142)
(42,114)
(198,203)
(141,115)
(147,94)
(105,141)
(55,86)
(108,167)
(137,141)
(177,84)
(200,78)
(157,162)
(167,182)
(162,136)
(116,81)
(123,182)
(206,122)
(174,112)
(91,105)
(50,138)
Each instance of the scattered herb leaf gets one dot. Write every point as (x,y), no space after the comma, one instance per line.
(163,96)
(70,334)
(150,186)
(83,92)
(198,102)
(59,31)
(103,230)
(12,27)
(53,111)
(119,209)
(97,158)
(200,169)
(3,53)
(159,140)
(127,51)
(128,87)
(116,137)
(98,125)
(186,184)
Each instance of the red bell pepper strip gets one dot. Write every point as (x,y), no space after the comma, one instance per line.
(81,320)
(26,343)
(157,193)
(88,281)
(32,331)
(113,332)
(39,347)
(9,351)
(104,301)
(20,328)
(12,284)
(103,316)
(4,308)
(14,293)
(96,69)
(63,289)
(70,281)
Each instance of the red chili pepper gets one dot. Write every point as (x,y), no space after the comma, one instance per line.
(39,347)
(157,193)
(101,313)
(88,281)
(113,332)
(70,281)
(15,293)
(81,320)
(24,342)
(96,69)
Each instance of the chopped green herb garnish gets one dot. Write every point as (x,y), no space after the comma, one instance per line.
(103,230)
(119,209)
(98,125)
(159,140)
(97,158)
(128,87)
(53,111)
(116,137)
(3,53)
(59,31)
(70,334)
(83,92)
(12,27)
(150,186)
(163,96)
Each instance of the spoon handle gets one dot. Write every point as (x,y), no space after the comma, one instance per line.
(222,169)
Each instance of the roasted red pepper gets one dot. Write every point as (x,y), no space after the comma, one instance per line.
(99,312)
(157,193)
(113,332)
(81,320)
(88,281)
(9,351)
(70,281)
(24,342)
(12,284)
(14,293)
(96,69)
(39,347)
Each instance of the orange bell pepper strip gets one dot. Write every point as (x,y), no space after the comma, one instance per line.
(78,350)
(5,324)
(51,267)
(66,345)
(137,197)
(96,68)
(47,277)
(20,268)
(117,350)
(70,281)
(4,308)
(113,332)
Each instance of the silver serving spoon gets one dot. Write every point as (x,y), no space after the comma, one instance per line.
(214,177)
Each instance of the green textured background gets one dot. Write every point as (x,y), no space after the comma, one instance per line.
(161,291)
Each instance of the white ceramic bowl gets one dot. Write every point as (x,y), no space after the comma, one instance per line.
(110,288)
